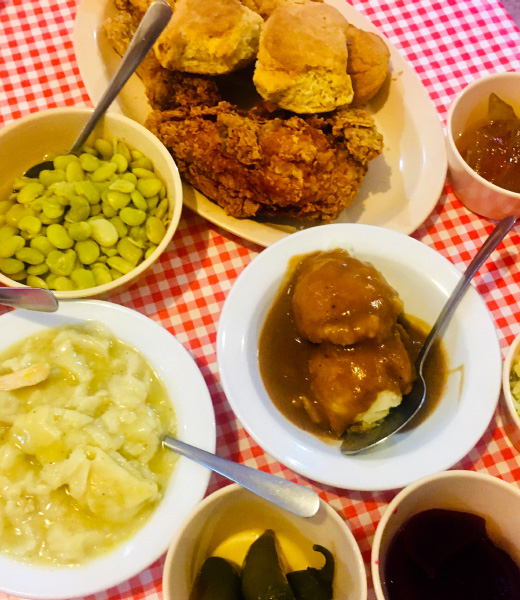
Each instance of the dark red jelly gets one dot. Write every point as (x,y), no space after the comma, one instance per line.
(447,555)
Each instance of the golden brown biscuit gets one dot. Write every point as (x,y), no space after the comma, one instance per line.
(367,65)
(265,7)
(302,58)
(209,37)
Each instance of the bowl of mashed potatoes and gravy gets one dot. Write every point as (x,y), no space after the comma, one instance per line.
(260,303)
(349,348)
(88,495)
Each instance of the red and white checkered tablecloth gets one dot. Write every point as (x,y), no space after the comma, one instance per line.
(449,43)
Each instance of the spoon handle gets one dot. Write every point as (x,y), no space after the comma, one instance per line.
(295,498)
(152,24)
(29,298)
(497,235)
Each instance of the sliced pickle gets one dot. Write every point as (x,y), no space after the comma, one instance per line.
(218,579)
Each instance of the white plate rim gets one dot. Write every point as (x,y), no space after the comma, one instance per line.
(396,463)
(130,558)
(417,103)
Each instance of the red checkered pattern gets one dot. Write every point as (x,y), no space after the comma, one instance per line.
(449,43)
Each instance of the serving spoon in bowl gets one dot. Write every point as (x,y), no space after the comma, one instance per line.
(150,28)
(295,498)
(357,441)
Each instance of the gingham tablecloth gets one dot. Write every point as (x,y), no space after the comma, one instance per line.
(449,43)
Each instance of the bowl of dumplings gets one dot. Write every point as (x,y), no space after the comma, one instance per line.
(89,496)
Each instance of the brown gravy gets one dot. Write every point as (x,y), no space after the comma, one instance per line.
(283,357)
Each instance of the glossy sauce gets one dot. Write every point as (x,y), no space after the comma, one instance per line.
(491,146)
(441,554)
(287,379)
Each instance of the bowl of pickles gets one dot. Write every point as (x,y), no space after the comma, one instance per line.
(95,220)
(237,546)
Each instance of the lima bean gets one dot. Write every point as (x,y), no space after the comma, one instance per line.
(11,245)
(104,232)
(61,263)
(132,216)
(30,256)
(37,269)
(59,237)
(63,284)
(83,278)
(155,229)
(30,224)
(42,244)
(87,251)
(35,281)
(129,251)
(10,266)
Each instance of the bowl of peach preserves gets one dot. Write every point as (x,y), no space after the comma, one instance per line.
(482,151)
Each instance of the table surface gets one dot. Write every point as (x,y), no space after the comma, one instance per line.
(449,43)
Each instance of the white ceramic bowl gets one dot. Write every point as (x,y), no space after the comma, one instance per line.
(510,416)
(233,510)
(477,194)
(479,493)
(424,280)
(26,141)
(195,425)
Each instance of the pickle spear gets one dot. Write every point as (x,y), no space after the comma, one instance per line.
(218,579)
(262,574)
(311,583)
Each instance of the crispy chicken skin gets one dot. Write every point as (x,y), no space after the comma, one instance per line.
(342,300)
(261,164)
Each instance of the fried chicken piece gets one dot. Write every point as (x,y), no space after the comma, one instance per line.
(210,38)
(340,299)
(251,164)
(165,89)
(137,7)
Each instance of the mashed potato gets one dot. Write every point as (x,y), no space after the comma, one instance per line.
(81,462)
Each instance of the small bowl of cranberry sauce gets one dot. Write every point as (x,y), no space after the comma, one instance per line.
(455,534)
(483,141)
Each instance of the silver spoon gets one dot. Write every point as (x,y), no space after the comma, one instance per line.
(151,26)
(295,498)
(354,442)
(29,298)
